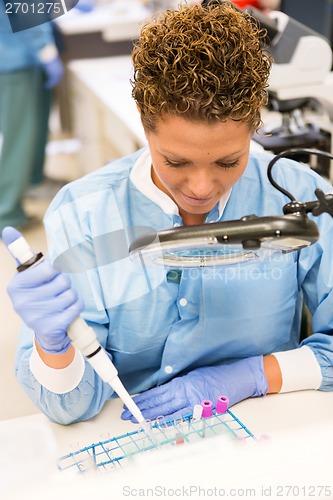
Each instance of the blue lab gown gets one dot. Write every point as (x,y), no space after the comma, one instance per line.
(155,328)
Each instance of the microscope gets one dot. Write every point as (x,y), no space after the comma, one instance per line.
(300,90)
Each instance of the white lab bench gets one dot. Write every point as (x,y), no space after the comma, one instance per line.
(108,30)
(116,20)
(105,117)
(292,458)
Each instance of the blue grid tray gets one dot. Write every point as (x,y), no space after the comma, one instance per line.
(113,453)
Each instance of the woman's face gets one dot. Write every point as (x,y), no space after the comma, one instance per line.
(196,163)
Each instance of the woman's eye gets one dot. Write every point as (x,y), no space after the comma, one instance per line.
(229,165)
(174,163)
(178,164)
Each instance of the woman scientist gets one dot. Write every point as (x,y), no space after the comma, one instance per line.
(200,79)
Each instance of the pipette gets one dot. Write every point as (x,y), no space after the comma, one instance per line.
(81,335)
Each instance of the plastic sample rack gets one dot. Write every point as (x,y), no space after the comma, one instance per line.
(114,453)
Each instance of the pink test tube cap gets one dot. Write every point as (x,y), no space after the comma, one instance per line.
(207,408)
(222,404)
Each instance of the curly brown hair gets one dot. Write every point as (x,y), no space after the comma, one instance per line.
(204,63)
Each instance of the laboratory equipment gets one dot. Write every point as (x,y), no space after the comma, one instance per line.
(222,404)
(223,243)
(300,89)
(207,406)
(237,241)
(81,335)
(110,455)
(302,62)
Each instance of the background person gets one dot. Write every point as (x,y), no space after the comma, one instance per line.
(30,68)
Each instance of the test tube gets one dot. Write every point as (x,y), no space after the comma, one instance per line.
(179,436)
(197,412)
(222,404)
(207,406)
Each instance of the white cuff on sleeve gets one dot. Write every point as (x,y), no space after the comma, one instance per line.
(300,369)
(48,53)
(57,380)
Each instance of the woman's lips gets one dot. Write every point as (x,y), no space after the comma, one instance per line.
(197,201)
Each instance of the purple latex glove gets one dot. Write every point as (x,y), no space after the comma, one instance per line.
(47,303)
(54,71)
(240,380)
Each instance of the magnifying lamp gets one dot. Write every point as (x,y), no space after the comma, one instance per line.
(241,240)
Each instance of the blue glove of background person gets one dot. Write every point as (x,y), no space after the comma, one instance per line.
(47,303)
(238,381)
(54,71)
(85,5)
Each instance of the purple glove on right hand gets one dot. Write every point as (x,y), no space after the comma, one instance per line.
(47,303)
(54,71)
(239,380)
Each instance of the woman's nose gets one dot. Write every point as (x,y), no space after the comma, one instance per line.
(201,185)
